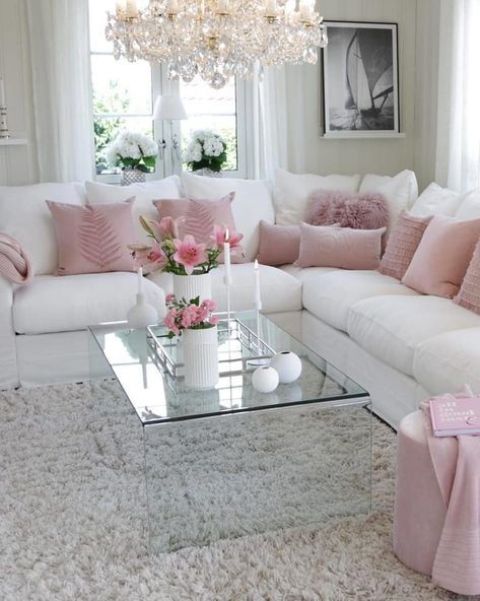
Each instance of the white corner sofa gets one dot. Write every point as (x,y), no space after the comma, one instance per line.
(399,345)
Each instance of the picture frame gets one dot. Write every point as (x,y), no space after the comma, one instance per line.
(361,91)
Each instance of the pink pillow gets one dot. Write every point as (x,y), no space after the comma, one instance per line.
(469,295)
(439,265)
(366,211)
(93,238)
(402,244)
(200,216)
(333,246)
(279,244)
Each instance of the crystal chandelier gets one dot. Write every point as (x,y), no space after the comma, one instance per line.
(217,39)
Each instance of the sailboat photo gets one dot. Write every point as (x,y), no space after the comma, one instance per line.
(365,99)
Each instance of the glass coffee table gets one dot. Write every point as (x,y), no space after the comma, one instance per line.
(231,461)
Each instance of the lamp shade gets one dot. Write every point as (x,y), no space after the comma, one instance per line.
(169,107)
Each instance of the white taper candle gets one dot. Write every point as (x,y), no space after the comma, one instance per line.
(227,259)
(140,279)
(258,294)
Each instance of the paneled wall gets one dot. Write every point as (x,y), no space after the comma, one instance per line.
(309,150)
(17,163)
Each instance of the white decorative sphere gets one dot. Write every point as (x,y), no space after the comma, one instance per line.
(288,365)
(265,379)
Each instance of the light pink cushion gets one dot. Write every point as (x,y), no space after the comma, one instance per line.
(365,211)
(93,238)
(402,244)
(439,265)
(333,246)
(469,295)
(279,244)
(200,216)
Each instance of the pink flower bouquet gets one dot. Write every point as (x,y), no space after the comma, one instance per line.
(182,256)
(192,314)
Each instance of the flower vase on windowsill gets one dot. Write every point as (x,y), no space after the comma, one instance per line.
(206,154)
(135,154)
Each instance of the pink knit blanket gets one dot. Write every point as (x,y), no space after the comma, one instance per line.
(456,461)
(14,262)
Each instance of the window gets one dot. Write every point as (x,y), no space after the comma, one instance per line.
(123,93)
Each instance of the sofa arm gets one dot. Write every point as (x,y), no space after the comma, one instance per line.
(8,354)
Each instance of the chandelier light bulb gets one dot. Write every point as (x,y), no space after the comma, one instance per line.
(216,39)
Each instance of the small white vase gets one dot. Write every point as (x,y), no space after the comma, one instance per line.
(142,314)
(200,357)
(288,365)
(265,379)
(191,286)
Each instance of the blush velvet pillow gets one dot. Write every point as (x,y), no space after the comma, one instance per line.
(279,244)
(402,245)
(442,257)
(333,246)
(93,238)
(469,295)
(366,211)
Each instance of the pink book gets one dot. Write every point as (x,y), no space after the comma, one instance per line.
(455,415)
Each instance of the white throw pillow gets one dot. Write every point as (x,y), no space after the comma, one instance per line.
(435,200)
(292,192)
(469,206)
(25,216)
(252,203)
(144,193)
(400,191)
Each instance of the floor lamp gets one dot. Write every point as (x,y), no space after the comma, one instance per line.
(169,108)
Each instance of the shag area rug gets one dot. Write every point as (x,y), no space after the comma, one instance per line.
(73,520)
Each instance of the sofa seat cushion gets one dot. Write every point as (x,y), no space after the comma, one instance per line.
(330,295)
(392,327)
(448,361)
(306,273)
(61,304)
(280,291)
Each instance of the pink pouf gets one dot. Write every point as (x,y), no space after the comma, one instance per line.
(419,506)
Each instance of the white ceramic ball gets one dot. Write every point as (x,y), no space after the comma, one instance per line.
(288,365)
(265,379)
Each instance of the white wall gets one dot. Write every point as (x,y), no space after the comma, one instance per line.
(417,39)
(17,163)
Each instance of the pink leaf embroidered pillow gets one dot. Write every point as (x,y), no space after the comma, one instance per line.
(333,246)
(279,244)
(200,216)
(469,295)
(365,211)
(402,244)
(442,257)
(93,238)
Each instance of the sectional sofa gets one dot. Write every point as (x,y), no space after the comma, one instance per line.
(400,345)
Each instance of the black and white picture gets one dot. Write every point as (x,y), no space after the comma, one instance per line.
(360,79)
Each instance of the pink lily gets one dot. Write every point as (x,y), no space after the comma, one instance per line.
(189,253)
(219,237)
(156,255)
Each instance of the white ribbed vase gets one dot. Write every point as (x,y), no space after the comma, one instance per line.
(200,357)
(191,286)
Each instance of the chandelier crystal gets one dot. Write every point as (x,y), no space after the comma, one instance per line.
(217,39)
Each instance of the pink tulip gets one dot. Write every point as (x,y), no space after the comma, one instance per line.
(189,316)
(209,305)
(189,253)
(170,321)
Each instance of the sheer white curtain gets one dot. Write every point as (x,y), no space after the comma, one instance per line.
(271,122)
(59,48)
(458,126)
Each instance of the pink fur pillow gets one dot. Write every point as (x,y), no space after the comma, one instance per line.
(365,211)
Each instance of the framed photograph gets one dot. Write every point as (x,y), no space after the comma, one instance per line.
(360,80)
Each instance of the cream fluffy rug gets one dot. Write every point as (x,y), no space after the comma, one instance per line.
(72,521)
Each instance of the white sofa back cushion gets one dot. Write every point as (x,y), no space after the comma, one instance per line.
(469,206)
(292,192)
(435,200)
(144,193)
(252,203)
(400,191)
(24,215)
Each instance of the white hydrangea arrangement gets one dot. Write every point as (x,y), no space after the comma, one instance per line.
(133,150)
(207,150)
